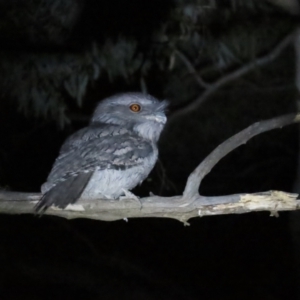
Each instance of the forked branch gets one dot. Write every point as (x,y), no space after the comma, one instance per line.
(182,207)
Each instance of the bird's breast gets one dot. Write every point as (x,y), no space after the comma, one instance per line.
(110,183)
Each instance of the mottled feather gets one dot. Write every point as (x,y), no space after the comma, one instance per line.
(115,152)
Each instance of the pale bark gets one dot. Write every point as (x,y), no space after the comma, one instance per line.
(177,207)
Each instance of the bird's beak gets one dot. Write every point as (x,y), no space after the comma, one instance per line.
(159,118)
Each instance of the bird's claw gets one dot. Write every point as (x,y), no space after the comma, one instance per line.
(129,195)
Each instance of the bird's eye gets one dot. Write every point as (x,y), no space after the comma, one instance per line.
(135,107)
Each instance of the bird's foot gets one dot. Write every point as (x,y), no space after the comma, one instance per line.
(106,197)
(129,195)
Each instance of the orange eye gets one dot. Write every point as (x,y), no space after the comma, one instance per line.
(135,107)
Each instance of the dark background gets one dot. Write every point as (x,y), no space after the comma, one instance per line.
(251,256)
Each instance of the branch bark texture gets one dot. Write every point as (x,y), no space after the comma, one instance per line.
(177,207)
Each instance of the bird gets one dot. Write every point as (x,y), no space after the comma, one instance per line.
(109,157)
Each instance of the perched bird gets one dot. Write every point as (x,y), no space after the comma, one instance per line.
(111,156)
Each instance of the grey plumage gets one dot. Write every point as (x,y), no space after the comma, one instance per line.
(113,154)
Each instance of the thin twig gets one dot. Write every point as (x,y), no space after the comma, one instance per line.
(192,69)
(192,106)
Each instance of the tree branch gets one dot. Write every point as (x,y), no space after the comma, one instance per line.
(191,69)
(177,207)
(232,143)
(212,88)
(182,208)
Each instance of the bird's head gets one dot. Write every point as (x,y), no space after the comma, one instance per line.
(143,113)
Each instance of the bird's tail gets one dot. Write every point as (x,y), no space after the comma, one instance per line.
(64,193)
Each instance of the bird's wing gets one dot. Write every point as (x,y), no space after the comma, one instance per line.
(82,155)
(94,151)
(86,134)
